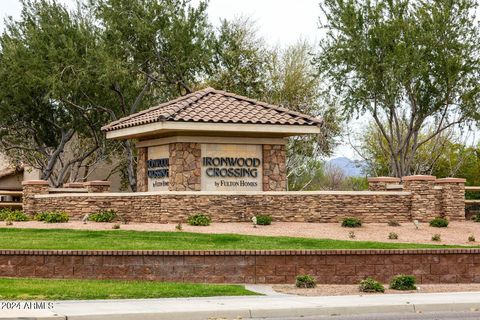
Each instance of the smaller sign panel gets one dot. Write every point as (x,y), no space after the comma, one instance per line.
(158,168)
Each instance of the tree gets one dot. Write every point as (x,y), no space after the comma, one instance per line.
(42,71)
(152,51)
(413,65)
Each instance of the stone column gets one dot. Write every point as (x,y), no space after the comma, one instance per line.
(380,183)
(30,189)
(184,166)
(97,186)
(423,196)
(142,178)
(453,198)
(274,167)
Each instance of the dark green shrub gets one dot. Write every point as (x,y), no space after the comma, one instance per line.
(264,220)
(305,281)
(199,220)
(351,222)
(403,282)
(103,216)
(393,223)
(476,217)
(393,236)
(371,285)
(52,216)
(12,215)
(439,222)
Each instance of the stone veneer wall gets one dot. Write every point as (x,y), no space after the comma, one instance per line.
(185,166)
(142,178)
(328,266)
(274,168)
(174,207)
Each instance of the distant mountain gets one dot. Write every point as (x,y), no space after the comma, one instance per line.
(350,167)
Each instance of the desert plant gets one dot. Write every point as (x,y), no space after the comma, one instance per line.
(471,238)
(393,223)
(351,235)
(439,222)
(403,282)
(393,236)
(179,227)
(371,285)
(12,215)
(264,220)
(351,222)
(305,281)
(116,226)
(8,222)
(103,216)
(436,237)
(199,220)
(52,217)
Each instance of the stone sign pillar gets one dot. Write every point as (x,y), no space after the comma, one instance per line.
(380,183)
(274,168)
(142,178)
(185,166)
(453,198)
(30,189)
(423,196)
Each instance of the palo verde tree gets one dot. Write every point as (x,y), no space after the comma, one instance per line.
(410,64)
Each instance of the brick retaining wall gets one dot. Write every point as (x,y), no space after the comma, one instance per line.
(328,266)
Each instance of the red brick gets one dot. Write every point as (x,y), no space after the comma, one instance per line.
(402,268)
(275,260)
(8,271)
(73,260)
(26,271)
(439,269)
(285,270)
(295,260)
(314,260)
(34,260)
(334,259)
(44,271)
(365,270)
(345,270)
(265,271)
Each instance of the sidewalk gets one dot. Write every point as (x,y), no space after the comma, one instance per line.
(252,307)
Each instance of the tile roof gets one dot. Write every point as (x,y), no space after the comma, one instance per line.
(214,106)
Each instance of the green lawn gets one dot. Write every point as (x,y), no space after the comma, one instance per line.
(63,239)
(52,289)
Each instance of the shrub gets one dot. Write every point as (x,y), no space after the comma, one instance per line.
(439,222)
(393,223)
(264,220)
(179,227)
(199,220)
(351,234)
(52,216)
(436,237)
(351,223)
(403,282)
(12,215)
(371,285)
(392,236)
(8,222)
(305,281)
(103,216)
(471,238)
(116,226)
(476,217)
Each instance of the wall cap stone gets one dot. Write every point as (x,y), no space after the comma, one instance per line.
(35,182)
(97,183)
(419,178)
(383,179)
(238,252)
(229,193)
(73,185)
(451,180)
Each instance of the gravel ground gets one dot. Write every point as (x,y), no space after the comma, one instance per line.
(347,289)
(456,233)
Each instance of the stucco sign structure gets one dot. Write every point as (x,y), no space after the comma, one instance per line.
(212,140)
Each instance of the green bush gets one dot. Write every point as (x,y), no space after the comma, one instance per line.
(439,222)
(393,223)
(351,222)
(371,285)
(264,220)
(476,217)
(52,216)
(103,216)
(199,220)
(305,281)
(12,215)
(403,282)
